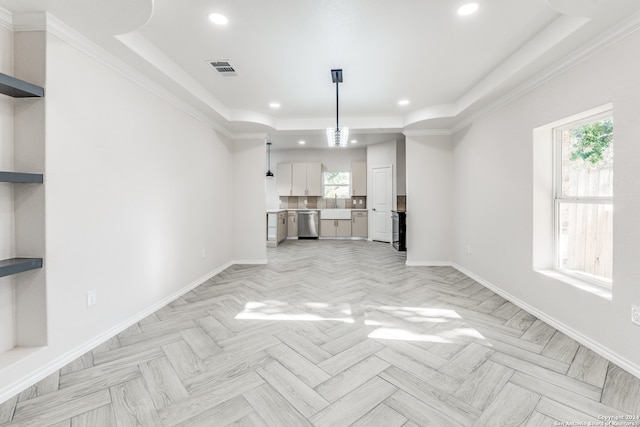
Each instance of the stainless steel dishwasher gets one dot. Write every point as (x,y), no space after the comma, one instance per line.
(307,224)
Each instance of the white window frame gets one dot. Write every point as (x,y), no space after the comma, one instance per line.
(324,183)
(558,199)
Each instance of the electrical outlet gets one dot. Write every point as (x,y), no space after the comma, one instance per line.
(635,314)
(204,253)
(91,298)
(468,249)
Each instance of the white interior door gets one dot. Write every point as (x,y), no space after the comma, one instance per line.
(381,183)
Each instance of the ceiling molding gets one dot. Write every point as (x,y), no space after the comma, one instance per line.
(563,26)
(6,19)
(556,32)
(608,38)
(251,117)
(154,56)
(434,112)
(427,132)
(249,136)
(88,47)
(30,21)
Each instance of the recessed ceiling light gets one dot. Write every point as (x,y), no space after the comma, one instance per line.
(467,9)
(403,102)
(354,141)
(218,19)
(302,142)
(274,105)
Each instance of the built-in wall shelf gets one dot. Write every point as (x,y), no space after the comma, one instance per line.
(21,177)
(18,265)
(19,88)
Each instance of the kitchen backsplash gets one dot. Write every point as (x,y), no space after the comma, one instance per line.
(314,202)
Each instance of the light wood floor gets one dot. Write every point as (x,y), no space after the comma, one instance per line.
(333,333)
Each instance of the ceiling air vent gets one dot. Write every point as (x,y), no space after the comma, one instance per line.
(223,67)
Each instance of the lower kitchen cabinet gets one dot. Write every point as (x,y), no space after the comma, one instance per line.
(335,228)
(292,224)
(276,227)
(360,224)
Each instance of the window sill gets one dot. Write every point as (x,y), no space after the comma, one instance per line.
(598,290)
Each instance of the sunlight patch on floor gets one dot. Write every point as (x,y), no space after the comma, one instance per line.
(307,312)
(424,324)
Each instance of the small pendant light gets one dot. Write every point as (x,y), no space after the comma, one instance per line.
(269,173)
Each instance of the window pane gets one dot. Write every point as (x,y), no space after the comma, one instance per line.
(587,160)
(336,178)
(331,191)
(336,184)
(586,239)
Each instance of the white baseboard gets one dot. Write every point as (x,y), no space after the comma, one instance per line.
(57,363)
(262,261)
(428,263)
(595,346)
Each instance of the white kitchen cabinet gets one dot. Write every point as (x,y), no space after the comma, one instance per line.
(299,179)
(358,179)
(343,228)
(360,224)
(306,179)
(284,175)
(314,179)
(335,228)
(327,228)
(292,229)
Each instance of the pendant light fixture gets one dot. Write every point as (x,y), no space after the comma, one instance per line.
(337,137)
(269,173)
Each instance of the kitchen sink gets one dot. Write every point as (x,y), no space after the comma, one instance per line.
(335,214)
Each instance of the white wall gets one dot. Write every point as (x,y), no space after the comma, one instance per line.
(135,190)
(493,197)
(248,210)
(429,200)
(7,224)
(338,159)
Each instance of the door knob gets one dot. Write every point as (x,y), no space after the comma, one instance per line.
(374,209)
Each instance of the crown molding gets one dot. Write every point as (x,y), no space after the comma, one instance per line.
(82,43)
(248,136)
(596,45)
(146,50)
(6,19)
(42,21)
(427,132)
(30,21)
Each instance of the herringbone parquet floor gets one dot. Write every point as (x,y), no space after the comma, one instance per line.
(333,333)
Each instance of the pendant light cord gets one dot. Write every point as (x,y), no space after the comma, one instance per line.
(337,107)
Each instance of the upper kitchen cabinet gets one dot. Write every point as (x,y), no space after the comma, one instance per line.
(358,179)
(305,179)
(284,177)
(299,180)
(314,179)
